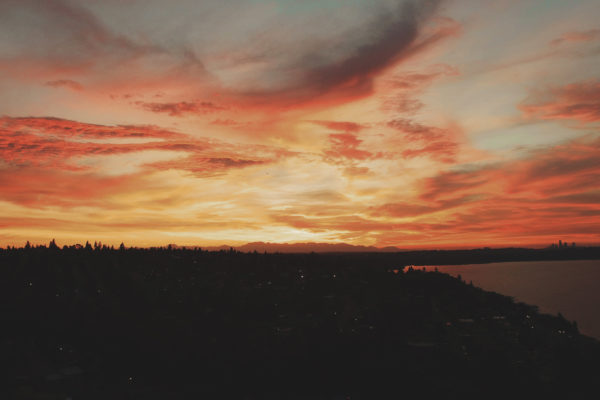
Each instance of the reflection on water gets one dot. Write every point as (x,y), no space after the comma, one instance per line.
(569,287)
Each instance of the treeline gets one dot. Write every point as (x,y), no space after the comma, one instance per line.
(420,257)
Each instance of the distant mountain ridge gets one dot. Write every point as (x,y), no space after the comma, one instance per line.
(309,247)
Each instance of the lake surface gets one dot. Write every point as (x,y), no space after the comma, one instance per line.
(569,287)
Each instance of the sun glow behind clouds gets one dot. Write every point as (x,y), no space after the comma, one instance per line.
(388,123)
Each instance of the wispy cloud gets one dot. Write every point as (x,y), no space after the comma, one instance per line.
(68,83)
(57,149)
(577,101)
(181,108)
(577,36)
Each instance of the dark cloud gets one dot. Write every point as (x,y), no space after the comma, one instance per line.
(54,37)
(393,36)
(385,41)
(62,33)
(48,40)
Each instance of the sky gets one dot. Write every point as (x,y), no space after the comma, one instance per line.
(417,124)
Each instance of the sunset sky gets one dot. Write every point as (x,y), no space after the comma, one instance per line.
(383,122)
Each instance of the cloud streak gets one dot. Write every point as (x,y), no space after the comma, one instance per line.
(388,40)
(577,36)
(69,84)
(57,149)
(181,108)
(578,101)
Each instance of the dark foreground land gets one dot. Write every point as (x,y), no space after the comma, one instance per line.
(171,324)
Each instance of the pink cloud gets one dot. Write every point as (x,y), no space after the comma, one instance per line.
(72,129)
(569,169)
(42,187)
(427,141)
(204,166)
(407,86)
(415,131)
(70,84)
(442,150)
(181,108)
(577,36)
(551,192)
(577,101)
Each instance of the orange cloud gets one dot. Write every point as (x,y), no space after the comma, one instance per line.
(341,126)
(48,153)
(549,193)
(565,169)
(40,187)
(407,209)
(203,166)
(57,143)
(346,145)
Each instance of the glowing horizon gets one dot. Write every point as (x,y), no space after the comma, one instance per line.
(394,123)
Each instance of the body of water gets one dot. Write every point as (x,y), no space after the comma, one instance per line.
(569,287)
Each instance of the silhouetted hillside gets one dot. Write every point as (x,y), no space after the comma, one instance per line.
(175,323)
